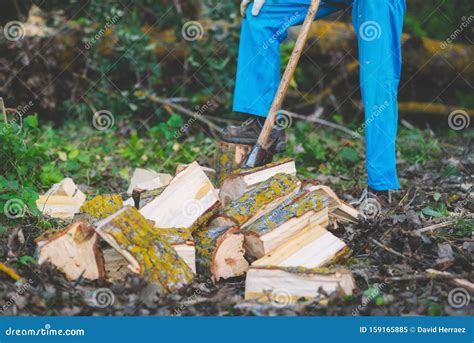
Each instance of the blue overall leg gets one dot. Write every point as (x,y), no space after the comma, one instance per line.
(258,67)
(258,70)
(378,25)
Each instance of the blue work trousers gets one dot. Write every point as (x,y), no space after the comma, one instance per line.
(378,25)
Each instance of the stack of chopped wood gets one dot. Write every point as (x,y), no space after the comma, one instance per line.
(262,222)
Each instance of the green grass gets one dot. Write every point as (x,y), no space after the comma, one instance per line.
(103,161)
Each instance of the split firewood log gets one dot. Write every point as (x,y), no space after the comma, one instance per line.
(74,251)
(142,197)
(102,206)
(280,225)
(128,232)
(188,196)
(116,266)
(286,285)
(241,181)
(220,252)
(58,206)
(181,239)
(312,247)
(146,179)
(63,200)
(211,173)
(187,251)
(67,187)
(338,208)
(260,200)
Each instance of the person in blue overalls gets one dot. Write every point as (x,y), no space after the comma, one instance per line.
(378,24)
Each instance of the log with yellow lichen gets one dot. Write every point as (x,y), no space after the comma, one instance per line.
(287,285)
(102,206)
(229,157)
(290,217)
(241,181)
(143,197)
(220,252)
(261,199)
(147,253)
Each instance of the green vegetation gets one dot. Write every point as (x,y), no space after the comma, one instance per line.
(122,62)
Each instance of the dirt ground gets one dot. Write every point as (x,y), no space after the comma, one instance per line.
(389,261)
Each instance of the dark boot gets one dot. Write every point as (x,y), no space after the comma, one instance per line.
(248,132)
(383,197)
(372,202)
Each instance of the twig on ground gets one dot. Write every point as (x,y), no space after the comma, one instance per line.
(319,121)
(4,110)
(455,280)
(425,276)
(434,227)
(179,108)
(390,250)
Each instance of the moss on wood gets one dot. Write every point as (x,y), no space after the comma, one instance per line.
(175,235)
(158,261)
(205,241)
(229,157)
(278,186)
(142,197)
(293,207)
(102,206)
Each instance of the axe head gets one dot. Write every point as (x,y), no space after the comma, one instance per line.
(258,156)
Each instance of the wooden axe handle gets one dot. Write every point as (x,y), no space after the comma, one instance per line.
(264,137)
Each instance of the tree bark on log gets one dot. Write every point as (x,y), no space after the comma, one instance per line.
(290,217)
(262,198)
(131,234)
(241,181)
(220,252)
(228,158)
(102,206)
